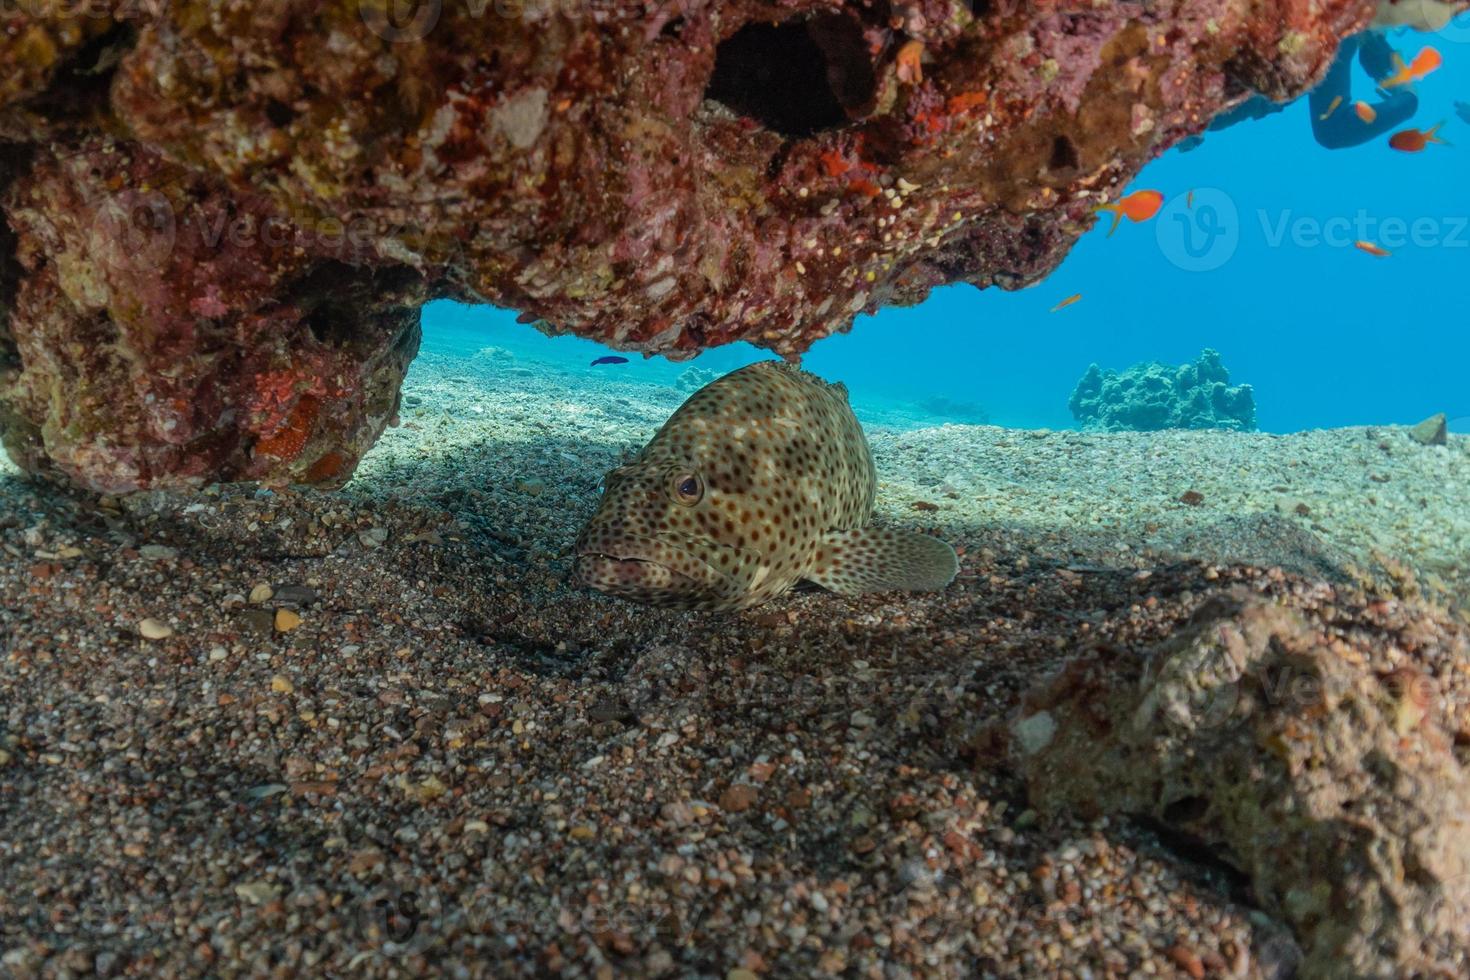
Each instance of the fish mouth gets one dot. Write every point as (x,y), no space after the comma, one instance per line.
(640,579)
(644,551)
(612,562)
(649,570)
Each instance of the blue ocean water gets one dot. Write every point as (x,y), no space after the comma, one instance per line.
(1262,268)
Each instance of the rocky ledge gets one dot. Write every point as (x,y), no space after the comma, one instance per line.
(221,218)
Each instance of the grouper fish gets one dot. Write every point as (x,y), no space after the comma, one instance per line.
(761,479)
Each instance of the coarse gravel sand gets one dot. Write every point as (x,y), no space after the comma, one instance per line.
(382,731)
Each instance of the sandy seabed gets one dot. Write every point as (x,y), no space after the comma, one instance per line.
(383,731)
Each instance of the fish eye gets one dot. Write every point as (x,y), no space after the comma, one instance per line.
(688,488)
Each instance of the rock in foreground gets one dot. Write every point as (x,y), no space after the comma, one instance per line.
(1311,748)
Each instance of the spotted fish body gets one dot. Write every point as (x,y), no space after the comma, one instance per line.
(761,479)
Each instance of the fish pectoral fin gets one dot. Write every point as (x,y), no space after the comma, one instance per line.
(873,559)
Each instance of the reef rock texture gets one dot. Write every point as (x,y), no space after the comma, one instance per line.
(664,176)
(229,344)
(1314,748)
(1151,396)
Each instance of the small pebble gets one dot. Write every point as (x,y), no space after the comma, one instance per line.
(739,798)
(373,537)
(258,620)
(257,892)
(153,629)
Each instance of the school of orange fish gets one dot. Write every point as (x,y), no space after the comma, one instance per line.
(1142,205)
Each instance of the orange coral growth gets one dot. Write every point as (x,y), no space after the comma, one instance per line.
(966,101)
(834,163)
(326,467)
(287,442)
(864,187)
(932,122)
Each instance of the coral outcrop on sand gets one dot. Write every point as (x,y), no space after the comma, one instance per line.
(1313,748)
(192,189)
(1151,396)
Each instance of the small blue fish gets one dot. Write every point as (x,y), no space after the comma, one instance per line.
(610,359)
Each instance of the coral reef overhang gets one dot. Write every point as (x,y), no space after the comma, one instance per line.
(221,218)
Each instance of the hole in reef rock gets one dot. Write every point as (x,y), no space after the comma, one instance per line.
(83,80)
(1064,154)
(12,163)
(1186,810)
(330,294)
(1211,860)
(279,114)
(796,78)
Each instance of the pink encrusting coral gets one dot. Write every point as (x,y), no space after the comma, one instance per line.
(168,328)
(218,189)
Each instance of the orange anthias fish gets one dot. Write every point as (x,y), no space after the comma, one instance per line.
(1413,140)
(1365,111)
(1067,302)
(1372,249)
(1331,108)
(1138,206)
(1424,62)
